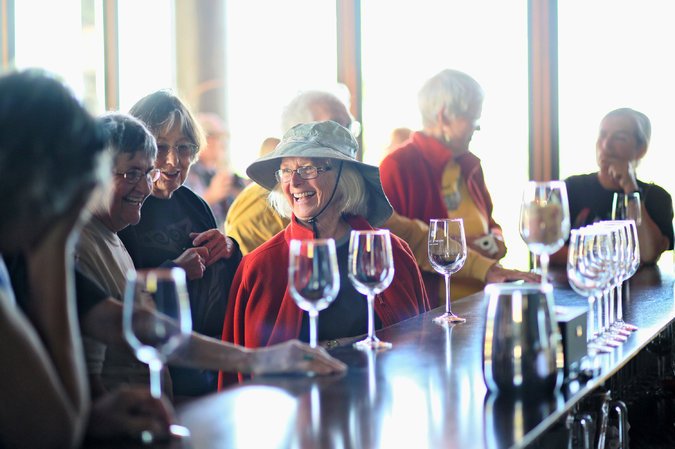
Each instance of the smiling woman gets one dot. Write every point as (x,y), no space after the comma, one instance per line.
(177,227)
(317,182)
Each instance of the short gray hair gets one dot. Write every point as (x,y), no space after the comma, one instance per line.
(351,196)
(128,135)
(454,93)
(643,126)
(305,107)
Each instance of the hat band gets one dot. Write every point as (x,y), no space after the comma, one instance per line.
(312,220)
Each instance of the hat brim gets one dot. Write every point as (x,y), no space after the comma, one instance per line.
(262,171)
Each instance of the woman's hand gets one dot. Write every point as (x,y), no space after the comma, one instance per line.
(218,246)
(128,411)
(193,261)
(294,357)
(497,273)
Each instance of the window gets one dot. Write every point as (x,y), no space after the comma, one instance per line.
(146,49)
(615,54)
(65,39)
(404,46)
(289,46)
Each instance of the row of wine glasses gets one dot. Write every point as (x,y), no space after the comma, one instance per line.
(600,258)
(314,279)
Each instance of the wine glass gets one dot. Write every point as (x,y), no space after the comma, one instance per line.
(156,321)
(447,254)
(586,278)
(544,220)
(631,264)
(371,270)
(313,278)
(627,206)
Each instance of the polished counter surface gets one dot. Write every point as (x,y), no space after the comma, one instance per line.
(426,392)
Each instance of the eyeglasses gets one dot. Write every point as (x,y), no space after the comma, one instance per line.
(183,149)
(134,175)
(306,172)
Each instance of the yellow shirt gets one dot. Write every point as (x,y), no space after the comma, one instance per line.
(470,279)
(251,221)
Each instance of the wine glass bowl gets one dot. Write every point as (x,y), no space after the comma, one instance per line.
(627,206)
(313,278)
(447,254)
(371,270)
(544,220)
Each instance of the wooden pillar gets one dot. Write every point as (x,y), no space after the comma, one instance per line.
(200,54)
(349,55)
(111,55)
(6,34)
(543,89)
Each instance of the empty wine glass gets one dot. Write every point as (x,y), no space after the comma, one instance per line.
(633,263)
(313,278)
(613,256)
(544,220)
(627,206)
(156,321)
(586,278)
(371,270)
(447,254)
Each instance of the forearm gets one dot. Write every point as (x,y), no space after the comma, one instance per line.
(209,353)
(416,234)
(652,242)
(52,311)
(37,410)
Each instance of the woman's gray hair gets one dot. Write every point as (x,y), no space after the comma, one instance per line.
(643,126)
(308,105)
(351,196)
(454,93)
(128,135)
(160,111)
(50,149)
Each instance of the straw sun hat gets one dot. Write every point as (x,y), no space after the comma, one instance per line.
(324,140)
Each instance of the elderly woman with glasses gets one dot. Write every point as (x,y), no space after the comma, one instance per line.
(319,185)
(177,227)
(102,257)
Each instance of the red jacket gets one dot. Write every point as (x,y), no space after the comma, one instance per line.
(412,176)
(259,314)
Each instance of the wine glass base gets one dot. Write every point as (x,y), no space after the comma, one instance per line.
(372,343)
(449,318)
(626,326)
(176,432)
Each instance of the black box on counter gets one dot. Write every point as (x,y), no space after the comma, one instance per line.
(572,324)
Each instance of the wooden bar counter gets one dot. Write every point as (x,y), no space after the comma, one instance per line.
(426,392)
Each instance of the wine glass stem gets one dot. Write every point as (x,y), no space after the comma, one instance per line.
(448,310)
(543,260)
(619,300)
(612,298)
(313,316)
(156,378)
(371,316)
(590,331)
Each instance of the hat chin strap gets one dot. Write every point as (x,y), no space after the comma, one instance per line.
(312,220)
